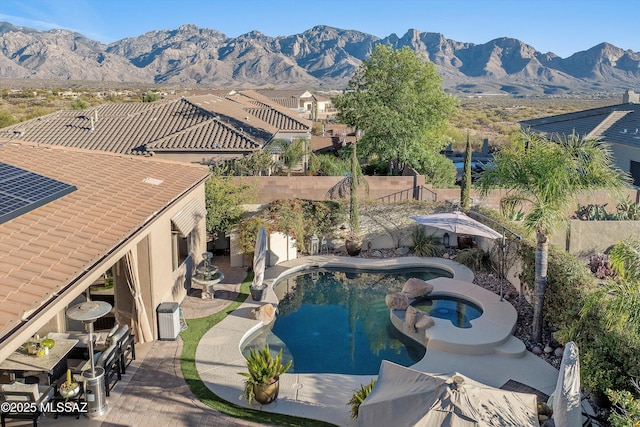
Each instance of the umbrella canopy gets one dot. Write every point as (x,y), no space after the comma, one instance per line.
(457,222)
(405,397)
(567,409)
(259,258)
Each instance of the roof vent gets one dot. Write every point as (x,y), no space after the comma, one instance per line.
(152,181)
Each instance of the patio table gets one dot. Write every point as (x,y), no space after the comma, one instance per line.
(53,364)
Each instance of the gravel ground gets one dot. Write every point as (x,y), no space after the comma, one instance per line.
(491,282)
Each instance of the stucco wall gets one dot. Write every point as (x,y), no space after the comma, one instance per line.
(586,237)
(165,284)
(280,248)
(270,188)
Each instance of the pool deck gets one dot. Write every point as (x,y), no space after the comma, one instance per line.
(486,352)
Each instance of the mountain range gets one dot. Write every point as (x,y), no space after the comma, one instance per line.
(322,57)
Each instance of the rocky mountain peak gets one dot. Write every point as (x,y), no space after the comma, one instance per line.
(322,56)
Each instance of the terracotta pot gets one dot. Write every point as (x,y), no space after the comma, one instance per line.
(266,393)
(353,246)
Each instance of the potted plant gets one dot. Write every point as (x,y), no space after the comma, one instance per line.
(258,292)
(262,382)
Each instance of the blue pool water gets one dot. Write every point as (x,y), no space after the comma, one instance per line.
(332,321)
(457,310)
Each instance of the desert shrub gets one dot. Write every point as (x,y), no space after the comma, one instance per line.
(599,265)
(626,410)
(426,245)
(302,218)
(474,258)
(248,232)
(568,284)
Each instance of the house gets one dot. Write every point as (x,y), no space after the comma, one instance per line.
(251,112)
(313,106)
(618,125)
(176,130)
(70,218)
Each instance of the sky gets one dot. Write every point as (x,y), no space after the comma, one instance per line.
(563,27)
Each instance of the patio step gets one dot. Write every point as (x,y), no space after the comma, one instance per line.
(513,348)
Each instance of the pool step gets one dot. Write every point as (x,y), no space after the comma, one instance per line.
(513,348)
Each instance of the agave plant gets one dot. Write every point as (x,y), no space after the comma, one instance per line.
(263,369)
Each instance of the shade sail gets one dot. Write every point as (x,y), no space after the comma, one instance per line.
(406,397)
(457,222)
(259,257)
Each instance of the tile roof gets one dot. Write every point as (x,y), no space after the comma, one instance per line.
(264,109)
(136,128)
(46,249)
(618,124)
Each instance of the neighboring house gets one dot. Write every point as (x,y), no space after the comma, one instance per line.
(69,217)
(174,130)
(249,112)
(312,106)
(617,125)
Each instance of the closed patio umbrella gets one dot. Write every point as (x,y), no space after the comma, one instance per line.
(259,258)
(567,405)
(406,397)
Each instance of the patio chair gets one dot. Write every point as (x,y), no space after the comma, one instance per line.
(124,341)
(109,360)
(25,393)
(126,347)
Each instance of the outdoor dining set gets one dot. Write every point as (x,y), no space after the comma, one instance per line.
(69,373)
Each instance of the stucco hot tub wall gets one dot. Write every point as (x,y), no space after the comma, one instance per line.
(492,330)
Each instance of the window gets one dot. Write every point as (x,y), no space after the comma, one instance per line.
(179,248)
(634,169)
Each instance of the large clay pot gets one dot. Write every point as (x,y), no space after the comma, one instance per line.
(353,246)
(266,393)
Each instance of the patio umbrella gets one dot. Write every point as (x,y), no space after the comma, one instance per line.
(259,258)
(406,397)
(567,409)
(457,222)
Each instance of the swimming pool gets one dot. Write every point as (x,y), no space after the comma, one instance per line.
(337,321)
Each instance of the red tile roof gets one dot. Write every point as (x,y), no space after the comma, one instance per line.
(45,249)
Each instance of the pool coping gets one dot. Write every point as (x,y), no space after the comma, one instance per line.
(325,396)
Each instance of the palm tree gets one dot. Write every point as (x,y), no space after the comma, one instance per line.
(622,294)
(547,176)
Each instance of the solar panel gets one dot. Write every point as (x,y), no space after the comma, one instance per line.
(22,191)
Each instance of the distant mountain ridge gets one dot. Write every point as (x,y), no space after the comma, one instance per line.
(321,57)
